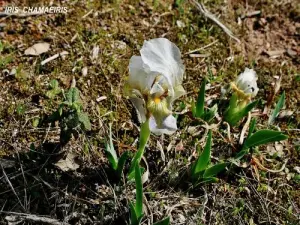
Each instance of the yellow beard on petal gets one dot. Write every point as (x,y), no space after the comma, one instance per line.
(241,94)
(158,108)
(157,100)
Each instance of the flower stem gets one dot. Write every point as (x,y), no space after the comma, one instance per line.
(144,136)
(230,111)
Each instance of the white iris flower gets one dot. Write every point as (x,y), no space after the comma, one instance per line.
(244,88)
(154,83)
(245,84)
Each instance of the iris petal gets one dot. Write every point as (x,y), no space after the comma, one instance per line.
(139,105)
(139,77)
(164,57)
(168,126)
(246,82)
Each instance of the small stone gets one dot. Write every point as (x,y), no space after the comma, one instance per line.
(2,25)
(297,169)
(182,219)
(5,72)
(13,72)
(84,71)
(180,24)
(291,52)
(285,113)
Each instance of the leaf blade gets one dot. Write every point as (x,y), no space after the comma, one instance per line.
(201,100)
(277,109)
(121,164)
(214,170)
(165,221)
(204,158)
(110,151)
(263,137)
(139,191)
(84,119)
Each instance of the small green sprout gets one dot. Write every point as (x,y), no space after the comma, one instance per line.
(201,169)
(116,164)
(198,110)
(71,116)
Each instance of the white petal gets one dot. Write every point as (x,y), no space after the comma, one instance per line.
(157,89)
(179,91)
(139,77)
(164,57)
(168,126)
(246,82)
(170,123)
(139,105)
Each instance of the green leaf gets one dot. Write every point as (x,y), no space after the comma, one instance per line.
(210,114)
(21,109)
(110,151)
(72,95)
(241,154)
(55,90)
(144,136)
(201,100)
(277,109)
(35,122)
(165,221)
(210,180)
(84,119)
(76,106)
(251,127)
(133,217)
(139,191)
(262,137)
(54,84)
(121,164)
(50,94)
(234,114)
(65,136)
(60,109)
(203,160)
(193,108)
(247,109)
(214,170)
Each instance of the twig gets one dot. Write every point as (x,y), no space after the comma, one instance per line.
(32,218)
(245,128)
(54,57)
(67,195)
(200,55)
(257,162)
(282,208)
(202,48)
(202,215)
(86,15)
(251,14)
(228,132)
(209,15)
(262,202)
(12,188)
